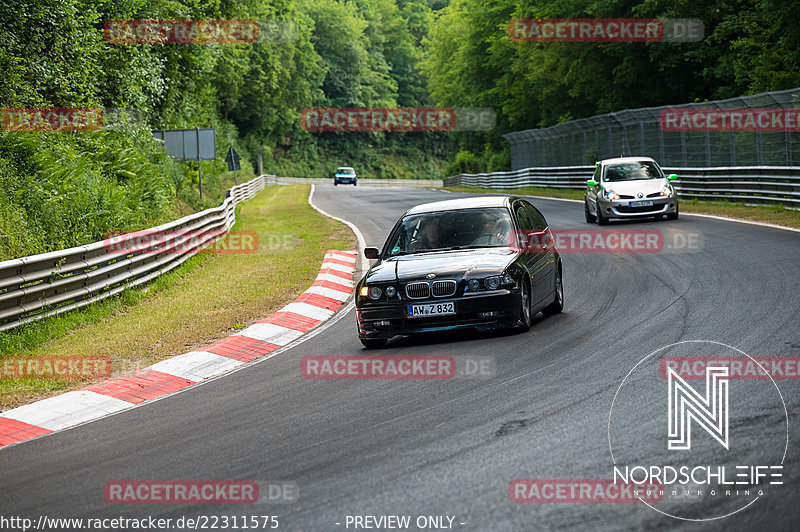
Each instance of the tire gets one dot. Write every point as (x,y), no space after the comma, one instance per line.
(601,220)
(673,215)
(558,302)
(373,343)
(355,183)
(335,183)
(525,308)
(586,213)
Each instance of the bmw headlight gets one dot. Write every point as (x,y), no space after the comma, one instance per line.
(492,283)
(375,292)
(391,291)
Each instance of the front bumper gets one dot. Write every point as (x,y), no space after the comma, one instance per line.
(622,209)
(344,180)
(498,309)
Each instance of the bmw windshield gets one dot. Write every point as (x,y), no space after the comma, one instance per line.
(448,230)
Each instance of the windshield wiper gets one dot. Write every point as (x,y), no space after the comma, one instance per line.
(479,246)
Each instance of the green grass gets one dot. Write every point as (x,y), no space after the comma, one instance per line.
(565,193)
(773,214)
(62,190)
(208,297)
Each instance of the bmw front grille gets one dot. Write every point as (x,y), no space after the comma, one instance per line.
(444,288)
(419,290)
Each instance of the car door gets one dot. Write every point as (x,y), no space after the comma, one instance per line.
(546,263)
(591,192)
(533,237)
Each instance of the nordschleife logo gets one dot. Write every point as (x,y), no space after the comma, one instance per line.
(709,411)
(727,436)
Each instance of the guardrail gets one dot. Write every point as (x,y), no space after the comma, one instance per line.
(409,183)
(751,184)
(42,285)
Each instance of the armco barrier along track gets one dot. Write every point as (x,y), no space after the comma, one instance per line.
(51,283)
(752,184)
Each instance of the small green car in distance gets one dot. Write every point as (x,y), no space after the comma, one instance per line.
(345,174)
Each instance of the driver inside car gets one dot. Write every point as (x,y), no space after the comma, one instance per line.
(429,236)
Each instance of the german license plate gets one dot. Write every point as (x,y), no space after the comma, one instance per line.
(643,203)
(431,309)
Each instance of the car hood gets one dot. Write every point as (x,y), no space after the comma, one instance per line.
(631,188)
(457,264)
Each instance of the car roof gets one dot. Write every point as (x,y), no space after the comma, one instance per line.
(345,168)
(618,160)
(462,203)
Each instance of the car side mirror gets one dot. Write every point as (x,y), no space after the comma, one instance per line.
(371,253)
(672,177)
(592,183)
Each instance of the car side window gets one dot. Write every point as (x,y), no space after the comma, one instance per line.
(526,223)
(539,223)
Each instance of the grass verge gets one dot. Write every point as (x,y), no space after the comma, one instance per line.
(208,297)
(772,214)
(565,193)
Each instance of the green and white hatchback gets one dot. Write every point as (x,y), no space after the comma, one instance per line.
(629,187)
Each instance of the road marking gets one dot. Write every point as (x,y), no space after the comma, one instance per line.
(340,267)
(140,385)
(195,365)
(750,222)
(310,311)
(334,279)
(67,410)
(329,292)
(269,332)
(362,260)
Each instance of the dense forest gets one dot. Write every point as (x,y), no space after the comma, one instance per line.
(64,188)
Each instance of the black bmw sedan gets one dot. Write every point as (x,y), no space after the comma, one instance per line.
(464,263)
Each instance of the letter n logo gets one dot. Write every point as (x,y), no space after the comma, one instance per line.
(709,411)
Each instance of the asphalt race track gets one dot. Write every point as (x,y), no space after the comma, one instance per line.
(451,447)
